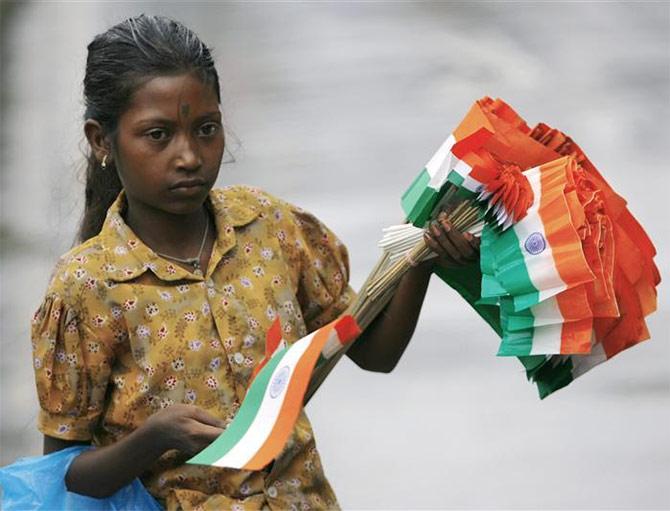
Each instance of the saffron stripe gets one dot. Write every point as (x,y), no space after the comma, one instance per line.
(560,233)
(576,337)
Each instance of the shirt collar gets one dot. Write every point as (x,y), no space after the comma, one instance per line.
(129,257)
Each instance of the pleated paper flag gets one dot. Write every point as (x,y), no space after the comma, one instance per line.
(561,324)
(568,286)
(541,255)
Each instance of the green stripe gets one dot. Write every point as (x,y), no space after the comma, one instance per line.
(550,378)
(244,417)
(486,259)
(463,194)
(516,344)
(412,194)
(510,266)
(491,288)
(533,363)
(419,199)
(525,301)
(487,300)
(513,343)
(455,178)
(516,320)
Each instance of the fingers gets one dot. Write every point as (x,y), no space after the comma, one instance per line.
(197,437)
(208,433)
(474,241)
(437,248)
(444,242)
(206,418)
(453,247)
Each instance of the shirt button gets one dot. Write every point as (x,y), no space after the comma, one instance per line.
(210,284)
(272,492)
(238,357)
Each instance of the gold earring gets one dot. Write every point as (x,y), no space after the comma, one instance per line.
(103,164)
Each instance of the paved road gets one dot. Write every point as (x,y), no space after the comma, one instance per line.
(336,107)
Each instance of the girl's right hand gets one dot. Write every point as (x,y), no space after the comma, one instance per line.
(186,428)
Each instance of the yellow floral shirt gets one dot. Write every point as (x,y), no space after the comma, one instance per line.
(123,332)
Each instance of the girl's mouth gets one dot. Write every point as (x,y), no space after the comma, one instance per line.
(185,185)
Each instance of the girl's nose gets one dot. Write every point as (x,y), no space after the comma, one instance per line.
(188,155)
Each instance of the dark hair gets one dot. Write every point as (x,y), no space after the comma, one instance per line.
(119,61)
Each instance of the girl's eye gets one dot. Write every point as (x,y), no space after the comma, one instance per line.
(209,129)
(157,135)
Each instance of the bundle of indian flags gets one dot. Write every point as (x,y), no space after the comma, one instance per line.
(566,274)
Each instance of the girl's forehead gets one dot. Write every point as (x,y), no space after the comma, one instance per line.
(178,95)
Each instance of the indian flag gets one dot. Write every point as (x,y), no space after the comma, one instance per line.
(610,337)
(424,192)
(561,324)
(541,255)
(471,168)
(274,399)
(561,370)
(573,337)
(447,165)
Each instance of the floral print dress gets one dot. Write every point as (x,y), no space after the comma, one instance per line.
(123,332)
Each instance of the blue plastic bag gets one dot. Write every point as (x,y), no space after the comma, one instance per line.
(38,482)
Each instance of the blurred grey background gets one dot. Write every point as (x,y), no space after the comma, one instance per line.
(336,107)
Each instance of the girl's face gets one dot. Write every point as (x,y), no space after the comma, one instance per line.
(169,144)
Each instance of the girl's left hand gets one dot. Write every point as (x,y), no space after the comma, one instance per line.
(452,247)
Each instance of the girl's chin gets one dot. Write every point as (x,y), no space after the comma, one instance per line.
(186,201)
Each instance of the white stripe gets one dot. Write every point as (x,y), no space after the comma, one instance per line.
(332,346)
(546,339)
(546,293)
(267,414)
(541,267)
(436,168)
(546,312)
(464,170)
(583,363)
(469,183)
(460,167)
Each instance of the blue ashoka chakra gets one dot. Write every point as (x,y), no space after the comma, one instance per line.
(279,382)
(535,243)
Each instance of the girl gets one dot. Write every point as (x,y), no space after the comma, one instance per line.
(150,329)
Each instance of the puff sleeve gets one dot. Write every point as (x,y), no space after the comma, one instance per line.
(72,343)
(323,281)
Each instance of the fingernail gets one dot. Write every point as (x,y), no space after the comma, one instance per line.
(442,215)
(446,225)
(468,236)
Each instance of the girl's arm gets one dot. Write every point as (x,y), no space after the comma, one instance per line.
(101,472)
(384,341)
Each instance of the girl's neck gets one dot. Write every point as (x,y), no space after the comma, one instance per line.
(176,235)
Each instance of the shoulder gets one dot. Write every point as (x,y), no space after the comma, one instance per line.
(282,217)
(239,201)
(82,267)
(248,196)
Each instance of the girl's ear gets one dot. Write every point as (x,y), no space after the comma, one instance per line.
(98,140)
